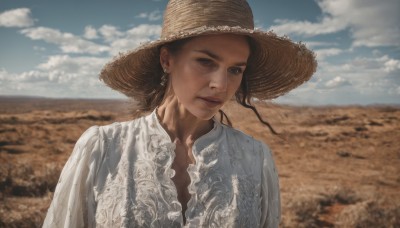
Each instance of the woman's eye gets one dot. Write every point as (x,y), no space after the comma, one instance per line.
(205,62)
(236,70)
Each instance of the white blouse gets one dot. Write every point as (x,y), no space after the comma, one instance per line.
(120,176)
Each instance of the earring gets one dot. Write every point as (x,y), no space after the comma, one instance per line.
(164,78)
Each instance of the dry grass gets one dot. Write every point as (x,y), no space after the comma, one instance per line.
(340,207)
(370,213)
(338,166)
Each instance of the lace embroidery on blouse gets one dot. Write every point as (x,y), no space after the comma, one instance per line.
(128,181)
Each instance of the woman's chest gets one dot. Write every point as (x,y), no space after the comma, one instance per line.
(140,192)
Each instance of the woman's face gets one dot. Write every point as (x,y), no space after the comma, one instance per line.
(206,72)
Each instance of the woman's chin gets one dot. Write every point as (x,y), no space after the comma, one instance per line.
(203,114)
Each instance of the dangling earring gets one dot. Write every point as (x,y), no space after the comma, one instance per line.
(164,78)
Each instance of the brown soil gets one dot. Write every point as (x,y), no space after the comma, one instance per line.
(338,166)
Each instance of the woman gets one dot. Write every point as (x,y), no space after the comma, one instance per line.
(179,166)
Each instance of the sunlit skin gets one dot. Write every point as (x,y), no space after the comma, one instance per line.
(203,76)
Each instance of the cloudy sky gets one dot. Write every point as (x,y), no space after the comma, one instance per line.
(57,48)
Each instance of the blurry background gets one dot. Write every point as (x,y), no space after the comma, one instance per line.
(338,155)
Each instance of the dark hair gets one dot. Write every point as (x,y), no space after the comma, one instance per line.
(243,96)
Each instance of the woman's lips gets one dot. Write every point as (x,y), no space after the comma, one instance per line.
(211,101)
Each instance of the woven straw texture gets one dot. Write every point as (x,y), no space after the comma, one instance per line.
(276,65)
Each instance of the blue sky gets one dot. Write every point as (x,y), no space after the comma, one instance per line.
(57,48)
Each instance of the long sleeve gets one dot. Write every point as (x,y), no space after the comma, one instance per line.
(270,201)
(73,197)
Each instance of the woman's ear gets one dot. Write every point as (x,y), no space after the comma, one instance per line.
(165,58)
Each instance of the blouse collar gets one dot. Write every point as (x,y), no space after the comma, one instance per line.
(200,143)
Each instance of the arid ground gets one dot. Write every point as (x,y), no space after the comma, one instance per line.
(338,166)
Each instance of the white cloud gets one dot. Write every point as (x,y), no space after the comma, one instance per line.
(110,32)
(323,53)
(67,42)
(337,82)
(32,76)
(391,65)
(152,16)
(144,30)
(37,48)
(370,77)
(371,23)
(122,41)
(361,80)
(90,33)
(142,15)
(3,74)
(59,69)
(16,18)
(78,65)
(59,76)
(313,44)
(307,28)
(383,63)
(67,76)
(134,37)
(116,41)
(155,15)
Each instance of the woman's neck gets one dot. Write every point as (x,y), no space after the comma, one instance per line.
(179,123)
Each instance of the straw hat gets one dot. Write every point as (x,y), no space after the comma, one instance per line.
(276,65)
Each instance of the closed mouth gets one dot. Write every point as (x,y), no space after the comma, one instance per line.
(212,100)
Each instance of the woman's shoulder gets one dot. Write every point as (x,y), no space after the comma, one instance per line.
(246,144)
(95,140)
(242,137)
(121,127)
(120,124)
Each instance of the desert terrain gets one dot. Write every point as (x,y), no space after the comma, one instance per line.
(338,166)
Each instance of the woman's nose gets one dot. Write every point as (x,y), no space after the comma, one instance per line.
(219,81)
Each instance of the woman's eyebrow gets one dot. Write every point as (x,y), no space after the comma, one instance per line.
(209,53)
(218,58)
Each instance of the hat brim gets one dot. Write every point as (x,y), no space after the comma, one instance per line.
(276,66)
